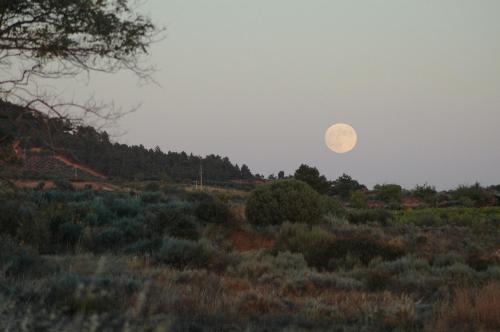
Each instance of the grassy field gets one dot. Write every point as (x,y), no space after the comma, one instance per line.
(174,259)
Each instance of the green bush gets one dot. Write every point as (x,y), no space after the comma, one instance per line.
(151,197)
(312,242)
(28,265)
(109,239)
(11,217)
(481,220)
(184,227)
(323,250)
(70,233)
(265,266)
(184,253)
(125,207)
(365,248)
(331,206)
(213,211)
(381,216)
(160,217)
(144,246)
(283,200)
(64,185)
(99,209)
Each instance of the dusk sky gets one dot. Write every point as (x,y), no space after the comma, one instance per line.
(260,82)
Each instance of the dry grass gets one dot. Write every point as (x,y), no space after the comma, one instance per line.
(475,310)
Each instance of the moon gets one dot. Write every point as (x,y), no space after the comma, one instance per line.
(341,138)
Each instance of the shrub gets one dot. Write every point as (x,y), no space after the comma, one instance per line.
(110,238)
(184,227)
(125,207)
(322,250)
(369,215)
(64,185)
(8,248)
(263,265)
(358,200)
(389,193)
(151,197)
(377,279)
(27,264)
(365,248)
(70,233)
(183,253)
(312,242)
(103,215)
(11,217)
(471,310)
(144,247)
(213,211)
(159,217)
(152,186)
(284,200)
(331,206)
(474,194)
(33,230)
(130,228)
(447,259)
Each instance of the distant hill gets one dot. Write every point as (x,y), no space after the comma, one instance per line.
(57,142)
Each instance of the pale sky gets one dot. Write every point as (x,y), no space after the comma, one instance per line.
(260,81)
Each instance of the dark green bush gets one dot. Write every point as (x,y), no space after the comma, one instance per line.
(323,250)
(184,253)
(184,227)
(125,207)
(10,217)
(151,197)
(144,246)
(109,239)
(152,186)
(381,216)
(70,233)
(131,228)
(331,206)
(378,279)
(313,243)
(159,217)
(283,200)
(103,215)
(365,248)
(28,265)
(213,211)
(64,185)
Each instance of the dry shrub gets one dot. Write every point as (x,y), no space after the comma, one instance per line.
(253,303)
(487,305)
(246,241)
(477,310)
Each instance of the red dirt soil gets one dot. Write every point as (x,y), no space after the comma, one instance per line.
(246,241)
(80,167)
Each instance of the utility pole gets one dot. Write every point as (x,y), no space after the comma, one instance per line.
(201,177)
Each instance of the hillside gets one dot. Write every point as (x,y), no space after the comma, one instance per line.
(84,145)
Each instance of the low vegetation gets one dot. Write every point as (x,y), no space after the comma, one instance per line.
(169,259)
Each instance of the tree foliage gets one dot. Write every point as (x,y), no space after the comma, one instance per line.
(283,200)
(344,185)
(94,148)
(52,39)
(390,193)
(312,177)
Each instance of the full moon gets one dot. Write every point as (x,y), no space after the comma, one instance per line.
(341,138)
